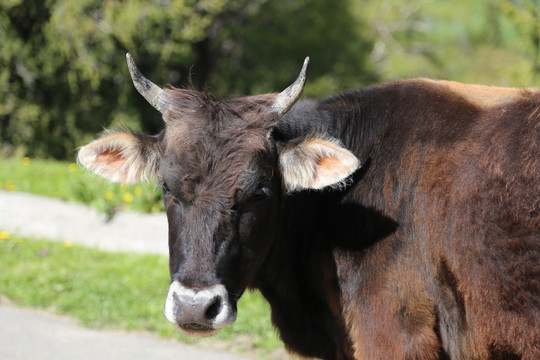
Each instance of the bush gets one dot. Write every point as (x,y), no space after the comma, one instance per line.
(64,77)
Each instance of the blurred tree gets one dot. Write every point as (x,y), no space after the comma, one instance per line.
(265,47)
(63,73)
(60,76)
(482,41)
(524,17)
(401,30)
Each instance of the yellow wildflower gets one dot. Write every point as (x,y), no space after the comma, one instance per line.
(4,235)
(109,195)
(72,167)
(128,197)
(68,244)
(11,186)
(123,187)
(138,191)
(26,161)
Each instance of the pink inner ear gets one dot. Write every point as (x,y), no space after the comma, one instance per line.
(113,159)
(328,167)
(328,163)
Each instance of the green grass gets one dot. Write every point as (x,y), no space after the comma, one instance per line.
(70,182)
(115,291)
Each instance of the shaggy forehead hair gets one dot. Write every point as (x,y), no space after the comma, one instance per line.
(211,144)
(189,105)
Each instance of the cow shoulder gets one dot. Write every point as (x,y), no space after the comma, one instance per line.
(482,96)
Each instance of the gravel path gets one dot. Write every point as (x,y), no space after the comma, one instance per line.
(37,216)
(27,334)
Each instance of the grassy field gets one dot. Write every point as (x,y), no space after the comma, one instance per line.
(116,291)
(106,290)
(70,182)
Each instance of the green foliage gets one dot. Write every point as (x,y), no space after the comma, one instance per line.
(470,41)
(272,42)
(63,73)
(114,290)
(522,22)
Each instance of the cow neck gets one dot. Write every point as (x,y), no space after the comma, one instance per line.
(349,117)
(357,118)
(298,276)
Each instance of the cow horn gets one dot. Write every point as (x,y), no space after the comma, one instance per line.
(286,99)
(155,95)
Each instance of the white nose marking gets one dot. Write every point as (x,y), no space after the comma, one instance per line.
(179,296)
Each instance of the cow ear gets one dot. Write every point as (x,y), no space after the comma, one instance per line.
(316,163)
(124,157)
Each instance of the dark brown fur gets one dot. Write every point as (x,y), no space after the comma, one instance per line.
(432,252)
(463,184)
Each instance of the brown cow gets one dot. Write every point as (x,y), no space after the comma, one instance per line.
(421,241)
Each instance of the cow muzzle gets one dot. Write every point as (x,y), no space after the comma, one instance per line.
(200,312)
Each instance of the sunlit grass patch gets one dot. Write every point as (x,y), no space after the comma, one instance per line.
(70,182)
(114,290)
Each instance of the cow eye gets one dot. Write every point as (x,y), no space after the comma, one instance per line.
(262,193)
(163,185)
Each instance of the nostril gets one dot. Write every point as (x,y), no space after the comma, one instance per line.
(213,310)
(199,309)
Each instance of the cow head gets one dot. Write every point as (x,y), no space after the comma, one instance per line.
(223,175)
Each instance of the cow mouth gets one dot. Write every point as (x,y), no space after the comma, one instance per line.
(197,329)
